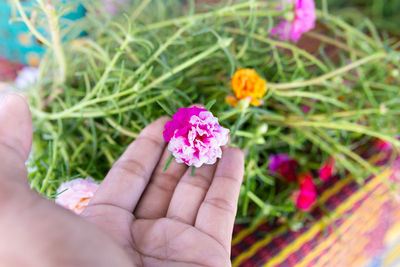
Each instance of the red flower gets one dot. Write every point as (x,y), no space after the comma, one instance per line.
(327,169)
(382,145)
(288,170)
(308,193)
(284,165)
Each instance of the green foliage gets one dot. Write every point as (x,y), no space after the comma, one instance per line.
(383,13)
(162,55)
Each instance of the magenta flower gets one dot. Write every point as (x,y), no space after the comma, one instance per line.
(303,21)
(284,165)
(76,194)
(327,169)
(305,108)
(382,145)
(195,136)
(308,193)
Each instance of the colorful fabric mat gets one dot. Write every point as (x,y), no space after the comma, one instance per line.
(362,221)
(9,70)
(16,42)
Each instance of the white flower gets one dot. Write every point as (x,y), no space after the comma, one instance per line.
(27,77)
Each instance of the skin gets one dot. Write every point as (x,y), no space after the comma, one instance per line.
(140,215)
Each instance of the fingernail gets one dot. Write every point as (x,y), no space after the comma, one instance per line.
(5,95)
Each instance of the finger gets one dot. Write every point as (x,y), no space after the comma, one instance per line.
(15,137)
(155,200)
(16,125)
(217,213)
(128,178)
(190,193)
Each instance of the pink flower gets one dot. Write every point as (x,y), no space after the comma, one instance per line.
(284,165)
(303,21)
(76,194)
(382,145)
(327,169)
(308,193)
(195,136)
(114,6)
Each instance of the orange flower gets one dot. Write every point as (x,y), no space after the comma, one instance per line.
(246,83)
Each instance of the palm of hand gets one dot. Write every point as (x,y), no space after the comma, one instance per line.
(139,216)
(166,242)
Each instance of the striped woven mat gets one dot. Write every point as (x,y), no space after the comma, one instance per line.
(360,227)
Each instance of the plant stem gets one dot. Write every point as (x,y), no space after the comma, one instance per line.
(220,44)
(334,42)
(68,113)
(139,9)
(99,85)
(311,95)
(286,45)
(159,51)
(56,39)
(343,149)
(121,129)
(52,164)
(29,24)
(346,27)
(349,113)
(98,113)
(322,78)
(229,114)
(181,20)
(344,126)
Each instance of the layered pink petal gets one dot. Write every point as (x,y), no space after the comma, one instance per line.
(304,20)
(327,169)
(195,136)
(382,145)
(308,192)
(76,194)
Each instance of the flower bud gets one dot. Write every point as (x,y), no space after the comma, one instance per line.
(288,16)
(262,129)
(395,73)
(244,104)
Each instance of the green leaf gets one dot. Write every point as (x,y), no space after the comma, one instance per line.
(168,162)
(210,104)
(192,169)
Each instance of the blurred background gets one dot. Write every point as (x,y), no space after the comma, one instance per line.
(383,13)
(20,48)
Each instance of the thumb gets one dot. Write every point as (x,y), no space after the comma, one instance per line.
(15,134)
(15,125)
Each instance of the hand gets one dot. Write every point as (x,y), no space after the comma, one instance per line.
(140,215)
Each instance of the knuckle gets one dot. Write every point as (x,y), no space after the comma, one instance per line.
(153,141)
(131,167)
(231,179)
(221,204)
(198,181)
(166,181)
